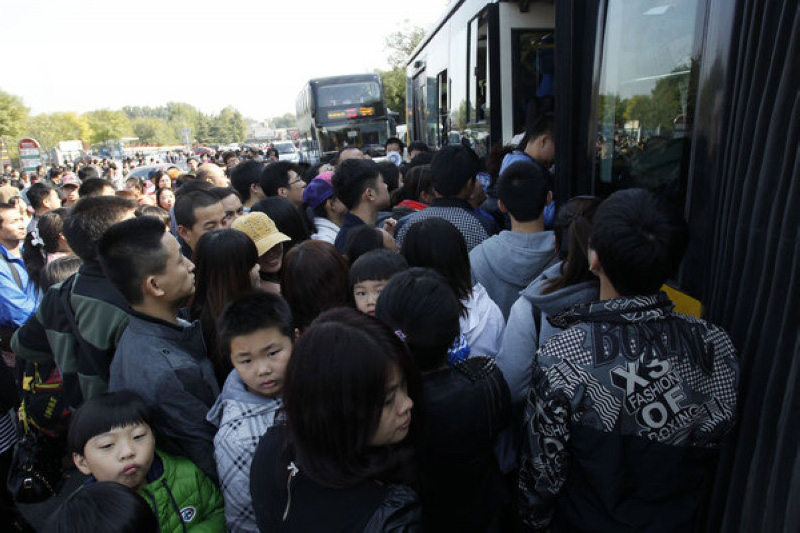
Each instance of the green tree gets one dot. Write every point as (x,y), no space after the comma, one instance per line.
(13,117)
(50,128)
(152,130)
(108,125)
(399,44)
(287,120)
(232,128)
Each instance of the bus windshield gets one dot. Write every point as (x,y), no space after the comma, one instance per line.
(343,94)
(334,138)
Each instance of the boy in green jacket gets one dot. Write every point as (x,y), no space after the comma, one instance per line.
(111,439)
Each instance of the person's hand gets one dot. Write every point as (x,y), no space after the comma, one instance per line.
(389,225)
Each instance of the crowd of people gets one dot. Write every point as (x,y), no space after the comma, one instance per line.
(357,346)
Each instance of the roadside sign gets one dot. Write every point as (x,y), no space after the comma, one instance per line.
(30,156)
(4,158)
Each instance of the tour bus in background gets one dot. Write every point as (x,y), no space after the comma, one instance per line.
(341,111)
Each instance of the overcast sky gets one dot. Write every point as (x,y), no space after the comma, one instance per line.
(80,55)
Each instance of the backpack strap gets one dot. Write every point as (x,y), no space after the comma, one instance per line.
(14,272)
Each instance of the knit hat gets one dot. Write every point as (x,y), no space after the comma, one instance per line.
(317,192)
(259,227)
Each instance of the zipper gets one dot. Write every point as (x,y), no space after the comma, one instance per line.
(293,470)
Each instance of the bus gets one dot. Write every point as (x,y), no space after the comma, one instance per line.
(341,111)
(698,101)
(471,77)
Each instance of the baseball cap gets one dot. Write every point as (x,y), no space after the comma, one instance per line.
(70,179)
(261,229)
(316,192)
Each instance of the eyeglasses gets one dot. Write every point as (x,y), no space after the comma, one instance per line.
(298,180)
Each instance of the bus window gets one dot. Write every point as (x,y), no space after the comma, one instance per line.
(533,70)
(646,96)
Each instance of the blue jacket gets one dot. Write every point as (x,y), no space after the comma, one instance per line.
(16,304)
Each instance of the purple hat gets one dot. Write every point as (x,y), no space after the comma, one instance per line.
(317,192)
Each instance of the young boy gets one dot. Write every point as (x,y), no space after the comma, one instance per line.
(255,331)
(111,439)
(629,406)
(370,273)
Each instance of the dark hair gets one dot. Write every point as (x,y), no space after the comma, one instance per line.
(334,394)
(252,312)
(104,412)
(287,218)
(391,174)
(192,185)
(436,243)
(130,251)
(376,265)
(314,279)
(418,146)
(48,228)
(351,178)
(161,191)
(103,506)
(223,260)
(135,182)
(37,193)
(89,172)
(572,228)
(244,175)
(155,176)
(58,270)
(360,240)
(224,192)
(93,186)
(276,175)
(156,212)
(418,179)
(420,303)
(89,218)
(523,190)
(394,140)
(186,204)
(453,167)
(639,239)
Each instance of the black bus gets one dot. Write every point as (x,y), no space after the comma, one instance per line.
(341,111)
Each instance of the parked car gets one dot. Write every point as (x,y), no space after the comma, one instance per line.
(286,151)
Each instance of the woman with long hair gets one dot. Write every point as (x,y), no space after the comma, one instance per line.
(342,461)
(563,285)
(45,243)
(436,243)
(314,280)
(226,266)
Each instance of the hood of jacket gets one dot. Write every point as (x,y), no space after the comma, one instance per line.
(523,255)
(556,301)
(235,402)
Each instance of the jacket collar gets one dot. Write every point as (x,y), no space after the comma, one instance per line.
(618,310)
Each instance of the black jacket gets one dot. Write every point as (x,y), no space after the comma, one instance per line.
(299,504)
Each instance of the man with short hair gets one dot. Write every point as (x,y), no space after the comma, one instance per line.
(360,187)
(192,163)
(231,203)
(506,263)
(246,179)
(80,321)
(88,172)
(349,152)
(213,174)
(95,187)
(393,144)
(160,356)
(455,169)
(628,407)
(197,213)
(17,292)
(42,198)
(7,190)
(416,148)
(283,179)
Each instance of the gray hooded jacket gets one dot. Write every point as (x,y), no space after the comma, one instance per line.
(506,263)
(521,339)
(242,418)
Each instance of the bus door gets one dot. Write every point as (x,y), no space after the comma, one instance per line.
(420,97)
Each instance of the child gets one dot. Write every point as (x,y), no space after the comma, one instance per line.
(111,439)
(370,273)
(255,333)
(103,506)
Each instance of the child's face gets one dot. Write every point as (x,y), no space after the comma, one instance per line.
(122,455)
(366,293)
(260,358)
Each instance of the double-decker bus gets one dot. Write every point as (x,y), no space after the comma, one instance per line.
(341,111)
